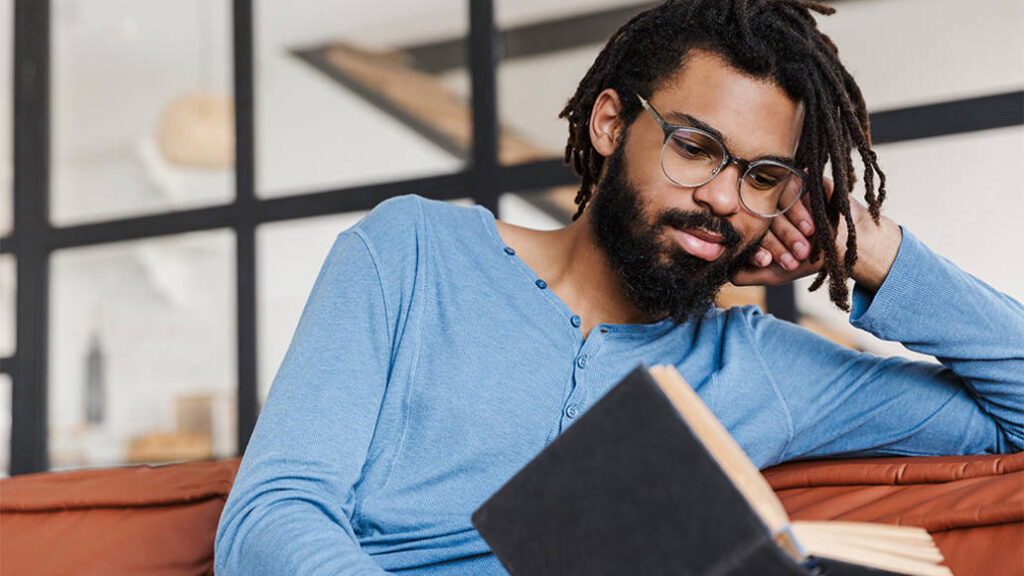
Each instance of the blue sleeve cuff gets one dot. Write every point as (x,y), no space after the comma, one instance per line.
(874,312)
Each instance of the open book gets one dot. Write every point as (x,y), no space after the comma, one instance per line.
(648,481)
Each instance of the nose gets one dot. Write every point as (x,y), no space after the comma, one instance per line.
(721,195)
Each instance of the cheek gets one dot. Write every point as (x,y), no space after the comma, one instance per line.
(643,165)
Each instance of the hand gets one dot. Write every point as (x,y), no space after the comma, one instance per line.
(785,249)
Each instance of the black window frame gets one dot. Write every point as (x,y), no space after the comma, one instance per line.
(34,239)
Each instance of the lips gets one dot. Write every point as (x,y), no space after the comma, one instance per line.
(699,242)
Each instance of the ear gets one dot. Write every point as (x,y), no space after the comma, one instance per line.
(605,123)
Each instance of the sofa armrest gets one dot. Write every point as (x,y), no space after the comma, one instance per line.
(164,519)
(972,505)
(136,520)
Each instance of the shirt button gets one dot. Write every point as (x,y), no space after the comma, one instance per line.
(509,250)
(582,361)
(575,321)
(541,284)
(572,411)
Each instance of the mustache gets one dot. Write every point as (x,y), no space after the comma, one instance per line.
(682,220)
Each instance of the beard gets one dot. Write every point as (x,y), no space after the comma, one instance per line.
(658,276)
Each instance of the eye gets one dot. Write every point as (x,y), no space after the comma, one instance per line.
(689,148)
(767,177)
(763,181)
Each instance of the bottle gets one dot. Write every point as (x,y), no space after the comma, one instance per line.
(95,387)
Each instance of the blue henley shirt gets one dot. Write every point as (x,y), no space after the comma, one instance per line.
(431,363)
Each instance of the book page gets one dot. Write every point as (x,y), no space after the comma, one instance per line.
(916,558)
(907,541)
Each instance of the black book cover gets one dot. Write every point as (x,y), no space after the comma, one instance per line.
(629,489)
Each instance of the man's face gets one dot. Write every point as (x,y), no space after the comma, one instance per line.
(674,247)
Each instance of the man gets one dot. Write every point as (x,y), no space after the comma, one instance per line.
(441,350)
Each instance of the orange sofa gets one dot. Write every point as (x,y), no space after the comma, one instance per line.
(162,520)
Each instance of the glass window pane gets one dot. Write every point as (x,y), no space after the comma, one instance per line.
(6,118)
(540,71)
(8,274)
(5,425)
(344,98)
(909,58)
(537,209)
(142,110)
(290,255)
(548,47)
(143,351)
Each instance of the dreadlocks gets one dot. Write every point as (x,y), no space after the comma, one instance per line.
(768,39)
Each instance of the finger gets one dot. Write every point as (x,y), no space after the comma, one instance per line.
(793,239)
(801,217)
(773,275)
(780,253)
(761,258)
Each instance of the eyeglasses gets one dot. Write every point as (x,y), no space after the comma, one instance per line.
(691,157)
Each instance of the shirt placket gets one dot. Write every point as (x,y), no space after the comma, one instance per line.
(577,402)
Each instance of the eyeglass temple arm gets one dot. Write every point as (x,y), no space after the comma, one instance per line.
(657,117)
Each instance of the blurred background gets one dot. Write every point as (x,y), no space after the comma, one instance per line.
(173,172)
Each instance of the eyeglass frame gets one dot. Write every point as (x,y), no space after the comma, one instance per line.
(727,158)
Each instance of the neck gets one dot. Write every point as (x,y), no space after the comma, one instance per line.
(578,271)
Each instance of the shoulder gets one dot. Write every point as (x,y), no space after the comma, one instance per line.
(749,327)
(401,232)
(409,217)
(393,214)
(749,320)
(770,337)
(733,318)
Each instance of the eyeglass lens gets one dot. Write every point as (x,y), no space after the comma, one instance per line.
(690,158)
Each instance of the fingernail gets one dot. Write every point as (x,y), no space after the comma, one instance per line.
(764,257)
(800,249)
(805,226)
(787,261)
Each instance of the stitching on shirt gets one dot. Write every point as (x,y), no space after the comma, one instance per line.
(359,233)
(380,284)
(771,380)
(421,229)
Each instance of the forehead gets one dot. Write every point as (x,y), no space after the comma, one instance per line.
(755,116)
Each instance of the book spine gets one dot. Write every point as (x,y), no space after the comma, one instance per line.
(828,567)
(761,556)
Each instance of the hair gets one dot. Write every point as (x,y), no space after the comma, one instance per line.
(767,39)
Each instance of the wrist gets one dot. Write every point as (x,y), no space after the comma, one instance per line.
(877,247)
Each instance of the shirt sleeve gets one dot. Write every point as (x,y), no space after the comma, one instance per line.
(289,511)
(849,403)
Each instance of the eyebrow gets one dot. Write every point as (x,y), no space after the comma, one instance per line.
(680,118)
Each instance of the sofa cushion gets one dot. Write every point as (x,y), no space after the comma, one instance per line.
(972,505)
(138,520)
(163,519)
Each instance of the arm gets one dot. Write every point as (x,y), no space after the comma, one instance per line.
(289,510)
(844,402)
